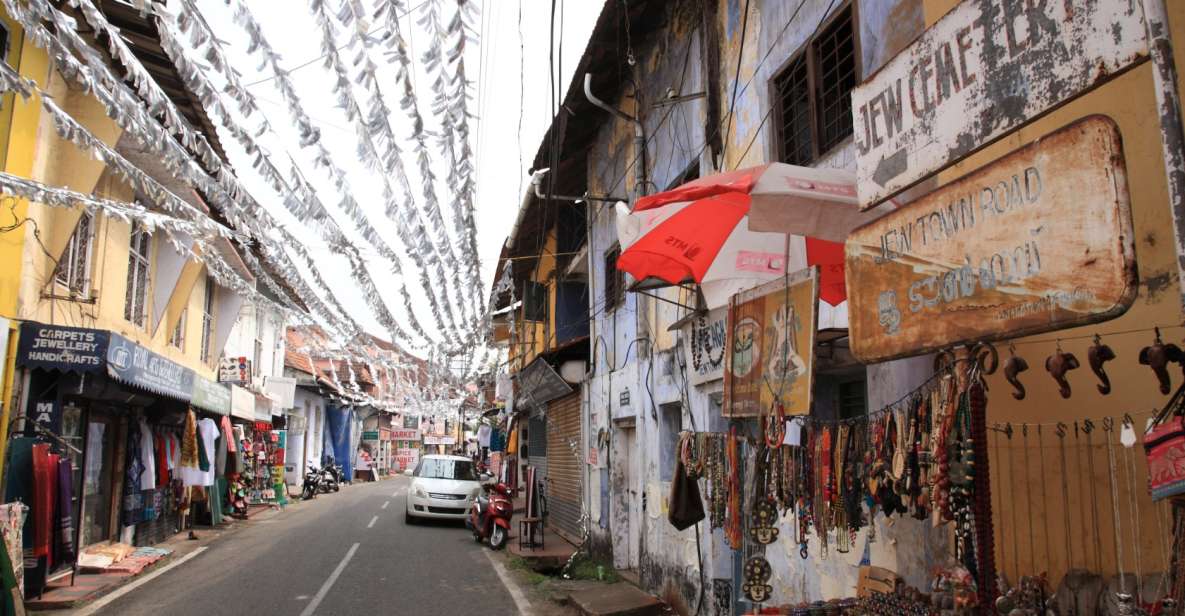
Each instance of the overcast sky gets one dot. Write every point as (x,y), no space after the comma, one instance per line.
(500,97)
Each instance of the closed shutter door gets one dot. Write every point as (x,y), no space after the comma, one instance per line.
(563,467)
(537,446)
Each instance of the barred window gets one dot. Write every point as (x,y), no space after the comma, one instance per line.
(208,320)
(177,338)
(813,93)
(614,280)
(74,267)
(136,297)
(534,301)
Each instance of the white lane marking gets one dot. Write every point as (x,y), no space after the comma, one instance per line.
(385,504)
(107,599)
(312,606)
(395,493)
(372,521)
(520,600)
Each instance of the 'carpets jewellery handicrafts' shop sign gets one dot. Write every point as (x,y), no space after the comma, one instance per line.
(771,344)
(984,69)
(56,347)
(1037,241)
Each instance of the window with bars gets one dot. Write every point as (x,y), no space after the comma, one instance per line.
(534,301)
(135,308)
(614,280)
(208,320)
(74,267)
(177,338)
(813,93)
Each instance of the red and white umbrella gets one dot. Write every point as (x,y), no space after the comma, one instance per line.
(733,231)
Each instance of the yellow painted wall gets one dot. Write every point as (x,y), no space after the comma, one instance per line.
(535,337)
(1022,493)
(18,137)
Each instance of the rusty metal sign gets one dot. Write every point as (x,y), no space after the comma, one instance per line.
(984,69)
(770,346)
(1037,241)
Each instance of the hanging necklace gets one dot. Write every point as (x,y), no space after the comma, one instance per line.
(1044,493)
(1061,435)
(1124,598)
(1088,429)
(997,497)
(1015,528)
(1129,439)
(1024,438)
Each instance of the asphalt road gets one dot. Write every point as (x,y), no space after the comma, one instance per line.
(285,565)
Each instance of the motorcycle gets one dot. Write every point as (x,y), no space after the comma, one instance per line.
(330,479)
(312,483)
(490,516)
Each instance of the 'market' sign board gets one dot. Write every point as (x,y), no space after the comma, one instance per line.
(985,68)
(1036,241)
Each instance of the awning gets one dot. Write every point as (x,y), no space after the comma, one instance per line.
(211,396)
(242,403)
(128,362)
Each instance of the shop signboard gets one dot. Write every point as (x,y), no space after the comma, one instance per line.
(981,71)
(282,390)
(211,396)
(406,457)
(234,370)
(411,422)
(1037,241)
(539,383)
(56,347)
(370,435)
(771,344)
(133,364)
(703,346)
(242,403)
(405,435)
(439,440)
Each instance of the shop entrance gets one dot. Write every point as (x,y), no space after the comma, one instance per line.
(96,492)
(632,497)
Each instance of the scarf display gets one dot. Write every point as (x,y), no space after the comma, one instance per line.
(189,444)
(133,495)
(44,476)
(228,434)
(147,457)
(64,539)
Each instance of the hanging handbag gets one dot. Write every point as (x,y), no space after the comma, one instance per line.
(1164,444)
(685,507)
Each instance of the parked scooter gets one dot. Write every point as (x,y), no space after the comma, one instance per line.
(312,482)
(490,516)
(330,479)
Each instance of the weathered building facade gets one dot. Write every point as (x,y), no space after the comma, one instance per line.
(698,88)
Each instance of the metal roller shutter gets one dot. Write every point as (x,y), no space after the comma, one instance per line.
(563,467)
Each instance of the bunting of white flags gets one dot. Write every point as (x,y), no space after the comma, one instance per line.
(435,257)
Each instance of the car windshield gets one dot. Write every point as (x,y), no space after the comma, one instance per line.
(440,468)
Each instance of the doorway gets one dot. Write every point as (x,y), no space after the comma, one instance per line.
(95,524)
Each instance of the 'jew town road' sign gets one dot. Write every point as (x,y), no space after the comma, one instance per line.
(984,69)
(1037,241)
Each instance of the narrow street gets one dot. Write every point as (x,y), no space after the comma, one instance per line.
(284,564)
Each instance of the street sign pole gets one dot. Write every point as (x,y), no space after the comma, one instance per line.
(1168,106)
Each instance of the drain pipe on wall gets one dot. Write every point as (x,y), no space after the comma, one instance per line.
(1168,110)
(639,137)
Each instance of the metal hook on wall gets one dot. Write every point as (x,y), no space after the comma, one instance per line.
(1013,366)
(1096,356)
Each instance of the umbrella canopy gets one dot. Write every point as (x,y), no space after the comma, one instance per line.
(731,231)
(806,201)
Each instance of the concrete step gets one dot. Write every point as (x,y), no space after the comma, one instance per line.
(620,599)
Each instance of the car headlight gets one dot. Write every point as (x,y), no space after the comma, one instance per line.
(420,493)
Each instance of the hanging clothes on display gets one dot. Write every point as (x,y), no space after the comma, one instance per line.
(483,436)
(12,520)
(44,476)
(191,454)
(133,496)
(147,457)
(64,537)
(161,446)
(208,431)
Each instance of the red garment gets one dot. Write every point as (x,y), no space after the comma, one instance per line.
(162,460)
(228,434)
(44,474)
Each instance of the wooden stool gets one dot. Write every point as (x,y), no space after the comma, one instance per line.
(526,533)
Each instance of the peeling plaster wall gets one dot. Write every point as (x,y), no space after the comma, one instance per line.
(624,358)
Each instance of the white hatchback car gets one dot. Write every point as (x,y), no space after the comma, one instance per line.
(443,487)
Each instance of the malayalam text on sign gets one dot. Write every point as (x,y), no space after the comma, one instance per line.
(1037,241)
